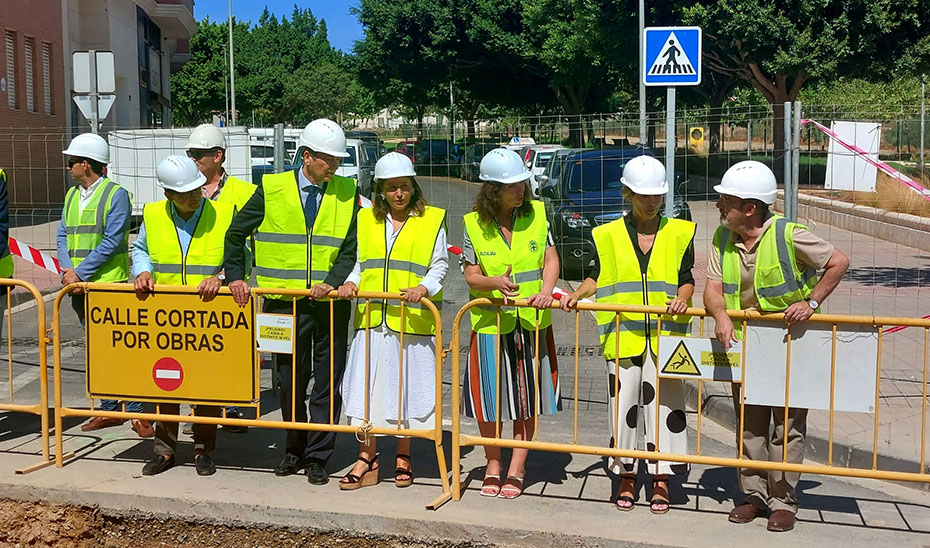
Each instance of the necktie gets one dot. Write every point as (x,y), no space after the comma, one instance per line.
(310,205)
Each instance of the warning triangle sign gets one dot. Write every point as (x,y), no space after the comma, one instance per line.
(681,362)
(672,59)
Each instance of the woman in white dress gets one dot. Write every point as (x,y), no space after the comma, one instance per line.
(401,249)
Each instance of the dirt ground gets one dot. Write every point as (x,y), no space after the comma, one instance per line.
(26,524)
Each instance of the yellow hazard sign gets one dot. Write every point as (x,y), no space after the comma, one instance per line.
(720,359)
(169,347)
(681,362)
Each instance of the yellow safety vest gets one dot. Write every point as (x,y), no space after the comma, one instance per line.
(85,229)
(236,192)
(407,264)
(204,256)
(286,254)
(777,281)
(525,255)
(6,261)
(622,282)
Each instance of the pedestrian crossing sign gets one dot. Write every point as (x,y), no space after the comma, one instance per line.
(672,56)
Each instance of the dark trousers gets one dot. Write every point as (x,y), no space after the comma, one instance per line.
(166,433)
(314,342)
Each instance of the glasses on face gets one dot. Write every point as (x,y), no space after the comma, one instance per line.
(196,154)
(72,161)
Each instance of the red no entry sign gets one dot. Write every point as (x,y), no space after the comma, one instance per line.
(168,374)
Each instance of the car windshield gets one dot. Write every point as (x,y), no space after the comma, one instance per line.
(262,151)
(351,160)
(372,151)
(596,174)
(542,158)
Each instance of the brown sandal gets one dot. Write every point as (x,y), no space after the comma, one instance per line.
(659,503)
(491,486)
(626,498)
(399,473)
(351,482)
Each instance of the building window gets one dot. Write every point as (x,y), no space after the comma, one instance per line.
(11,69)
(29,47)
(47,76)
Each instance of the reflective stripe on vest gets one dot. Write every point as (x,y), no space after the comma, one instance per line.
(621,282)
(286,255)
(204,257)
(525,255)
(407,264)
(777,280)
(236,192)
(85,230)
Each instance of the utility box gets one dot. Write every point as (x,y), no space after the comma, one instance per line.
(135,153)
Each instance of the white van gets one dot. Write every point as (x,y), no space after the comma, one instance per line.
(261,144)
(360,164)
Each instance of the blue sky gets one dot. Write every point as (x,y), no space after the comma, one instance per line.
(343,28)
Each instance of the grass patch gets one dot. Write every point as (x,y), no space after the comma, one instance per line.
(889,195)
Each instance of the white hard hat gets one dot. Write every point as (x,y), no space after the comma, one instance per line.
(179,173)
(205,137)
(749,179)
(324,136)
(502,165)
(394,164)
(89,145)
(645,175)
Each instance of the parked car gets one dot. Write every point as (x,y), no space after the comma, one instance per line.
(360,164)
(553,169)
(368,137)
(535,157)
(586,195)
(438,156)
(408,149)
(471,160)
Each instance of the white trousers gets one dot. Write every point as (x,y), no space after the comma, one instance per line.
(637,384)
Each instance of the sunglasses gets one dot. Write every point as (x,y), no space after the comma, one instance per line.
(72,161)
(196,154)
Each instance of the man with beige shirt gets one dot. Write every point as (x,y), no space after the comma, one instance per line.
(765,262)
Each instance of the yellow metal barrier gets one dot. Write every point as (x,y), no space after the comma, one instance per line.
(747,318)
(39,408)
(434,434)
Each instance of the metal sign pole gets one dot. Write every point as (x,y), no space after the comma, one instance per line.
(93,92)
(789,190)
(795,160)
(670,151)
(642,83)
(923,112)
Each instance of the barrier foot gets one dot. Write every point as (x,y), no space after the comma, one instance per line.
(442,499)
(40,465)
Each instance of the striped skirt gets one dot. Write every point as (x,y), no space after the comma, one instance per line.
(514,379)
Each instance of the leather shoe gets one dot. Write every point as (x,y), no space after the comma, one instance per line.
(781,521)
(204,465)
(157,465)
(290,465)
(143,428)
(316,473)
(746,512)
(97,423)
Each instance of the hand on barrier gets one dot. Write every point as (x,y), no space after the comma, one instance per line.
(414,294)
(347,290)
(676,306)
(144,283)
(724,330)
(320,291)
(240,292)
(568,302)
(798,312)
(540,300)
(68,276)
(209,288)
(505,285)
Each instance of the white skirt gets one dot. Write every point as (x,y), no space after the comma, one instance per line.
(419,380)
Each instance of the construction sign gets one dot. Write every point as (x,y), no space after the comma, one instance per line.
(677,358)
(169,347)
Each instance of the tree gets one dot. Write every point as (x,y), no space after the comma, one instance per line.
(778,47)
(198,89)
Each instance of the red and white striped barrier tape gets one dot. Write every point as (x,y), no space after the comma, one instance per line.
(897,328)
(34,256)
(887,169)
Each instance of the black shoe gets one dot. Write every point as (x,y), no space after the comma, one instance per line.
(235,429)
(157,465)
(204,465)
(290,465)
(316,473)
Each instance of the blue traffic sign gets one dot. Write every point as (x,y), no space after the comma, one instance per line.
(672,56)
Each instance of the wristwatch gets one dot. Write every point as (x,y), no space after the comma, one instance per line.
(813,304)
